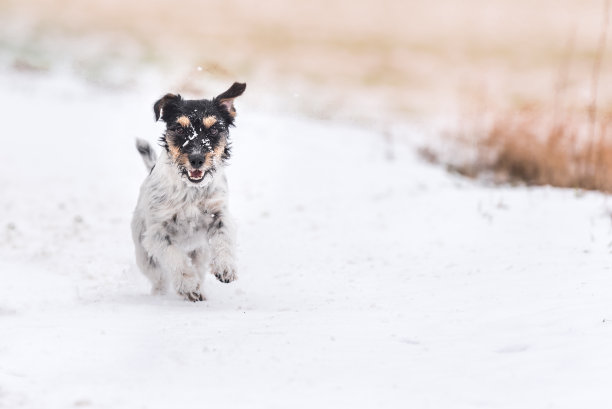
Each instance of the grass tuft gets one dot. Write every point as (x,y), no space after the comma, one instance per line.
(529,146)
(549,143)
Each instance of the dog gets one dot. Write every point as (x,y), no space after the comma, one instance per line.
(181,225)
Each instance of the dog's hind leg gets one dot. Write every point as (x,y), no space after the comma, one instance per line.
(199,259)
(157,277)
(150,268)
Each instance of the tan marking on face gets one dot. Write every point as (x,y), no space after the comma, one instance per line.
(176,154)
(184,121)
(209,161)
(174,151)
(216,154)
(209,121)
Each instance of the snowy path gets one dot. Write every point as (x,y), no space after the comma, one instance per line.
(364,282)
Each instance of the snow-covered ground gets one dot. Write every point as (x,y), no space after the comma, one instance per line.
(368,279)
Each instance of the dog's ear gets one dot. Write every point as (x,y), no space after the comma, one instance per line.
(166,106)
(226,99)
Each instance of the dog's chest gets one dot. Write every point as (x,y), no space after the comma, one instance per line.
(188,224)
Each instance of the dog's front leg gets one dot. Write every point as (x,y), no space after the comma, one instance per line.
(221,236)
(177,264)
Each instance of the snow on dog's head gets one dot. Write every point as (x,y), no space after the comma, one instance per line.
(197,131)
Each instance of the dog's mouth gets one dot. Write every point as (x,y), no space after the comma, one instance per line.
(195,175)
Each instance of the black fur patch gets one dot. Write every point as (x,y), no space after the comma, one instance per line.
(170,227)
(216,224)
(234,91)
(166,106)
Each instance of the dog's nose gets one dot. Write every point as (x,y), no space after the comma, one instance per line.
(196,160)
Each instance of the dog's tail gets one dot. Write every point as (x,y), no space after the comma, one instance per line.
(148,154)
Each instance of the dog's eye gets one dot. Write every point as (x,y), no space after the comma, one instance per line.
(214,131)
(180,132)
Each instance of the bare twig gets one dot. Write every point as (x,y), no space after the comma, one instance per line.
(563,74)
(595,78)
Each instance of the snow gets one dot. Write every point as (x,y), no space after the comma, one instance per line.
(365,279)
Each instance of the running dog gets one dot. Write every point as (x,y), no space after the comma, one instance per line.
(181,225)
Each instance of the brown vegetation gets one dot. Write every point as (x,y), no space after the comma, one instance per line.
(530,146)
(544,143)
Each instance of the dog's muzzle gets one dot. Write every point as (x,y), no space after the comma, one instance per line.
(196,161)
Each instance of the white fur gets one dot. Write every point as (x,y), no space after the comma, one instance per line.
(180,229)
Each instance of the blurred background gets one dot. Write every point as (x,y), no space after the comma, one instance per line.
(366,60)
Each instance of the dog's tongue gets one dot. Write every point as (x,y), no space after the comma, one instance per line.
(195,174)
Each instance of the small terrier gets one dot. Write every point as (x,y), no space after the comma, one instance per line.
(181,224)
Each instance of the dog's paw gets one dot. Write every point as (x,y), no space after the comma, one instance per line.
(194,296)
(226,275)
(190,292)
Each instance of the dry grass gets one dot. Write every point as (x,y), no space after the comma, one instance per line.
(537,147)
(547,142)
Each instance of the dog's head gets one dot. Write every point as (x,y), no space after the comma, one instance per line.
(197,131)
